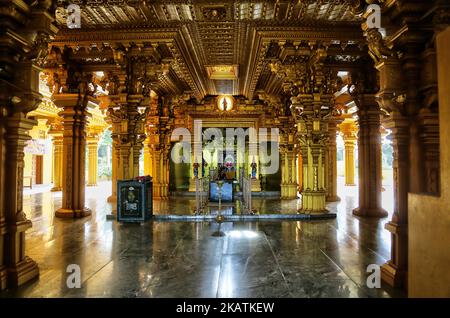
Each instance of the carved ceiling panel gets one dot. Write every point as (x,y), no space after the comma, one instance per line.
(197,35)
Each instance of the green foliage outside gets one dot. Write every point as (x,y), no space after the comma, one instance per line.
(104,156)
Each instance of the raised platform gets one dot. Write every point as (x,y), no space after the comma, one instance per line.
(244,217)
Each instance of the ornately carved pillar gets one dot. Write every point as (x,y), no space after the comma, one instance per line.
(123,163)
(288,172)
(310,86)
(349,135)
(369,157)
(16,268)
(428,118)
(312,136)
(349,148)
(288,163)
(136,156)
(395,270)
(27,28)
(92,145)
(74,114)
(147,158)
(332,162)
(156,160)
(165,173)
(299,170)
(57,161)
(114,157)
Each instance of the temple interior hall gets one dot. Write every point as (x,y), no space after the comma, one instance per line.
(224,149)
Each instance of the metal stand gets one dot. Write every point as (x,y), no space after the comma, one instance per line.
(219,218)
(201,195)
(247,195)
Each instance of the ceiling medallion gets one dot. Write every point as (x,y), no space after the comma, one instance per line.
(225,103)
(222,72)
(212,13)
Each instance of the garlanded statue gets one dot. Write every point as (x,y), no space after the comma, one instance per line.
(253,165)
(378,50)
(195,165)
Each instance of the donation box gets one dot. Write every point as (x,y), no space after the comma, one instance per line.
(134,199)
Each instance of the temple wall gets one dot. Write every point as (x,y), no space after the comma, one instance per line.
(429,217)
(47,160)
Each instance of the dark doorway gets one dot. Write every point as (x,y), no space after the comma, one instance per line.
(39,169)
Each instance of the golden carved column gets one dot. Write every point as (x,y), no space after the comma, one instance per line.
(158,172)
(284,171)
(349,135)
(288,165)
(349,145)
(165,172)
(299,170)
(114,158)
(92,146)
(159,130)
(147,158)
(74,114)
(332,162)
(136,153)
(57,161)
(310,86)
(312,137)
(15,267)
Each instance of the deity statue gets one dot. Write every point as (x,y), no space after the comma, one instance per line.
(253,165)
(195,165)
(224,104)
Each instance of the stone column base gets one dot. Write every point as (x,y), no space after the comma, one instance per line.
(72,213)
(370,212)
(313,202)
(191,185)
(112,199)
(256,185)
(350,184)
(394,277)
(289,191)
(56,189)
(22,272)
(320,211)
(3,278)
(91,184)
(334,198)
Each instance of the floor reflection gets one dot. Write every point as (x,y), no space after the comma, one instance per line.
(180,259)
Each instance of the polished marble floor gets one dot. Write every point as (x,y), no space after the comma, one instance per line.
(326,258)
